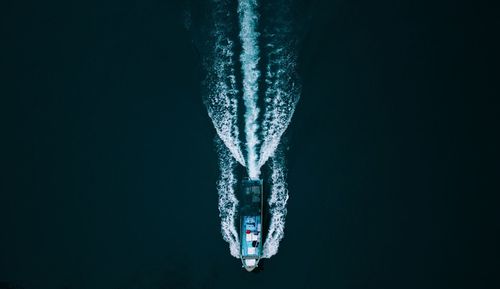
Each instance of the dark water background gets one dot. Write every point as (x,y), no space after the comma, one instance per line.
(108,167)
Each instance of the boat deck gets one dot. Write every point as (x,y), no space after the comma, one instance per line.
(251,237)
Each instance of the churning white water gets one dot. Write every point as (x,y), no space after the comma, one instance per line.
(249,60)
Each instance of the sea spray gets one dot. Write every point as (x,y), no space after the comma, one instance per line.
(282,87)
(249,60)
(221,98)
(221,101)
(282,93)
(277,205)
(228,203)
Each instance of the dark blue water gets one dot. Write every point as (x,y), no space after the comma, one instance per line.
(108,164)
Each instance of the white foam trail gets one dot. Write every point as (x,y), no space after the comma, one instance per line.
(281,96)
(282,89)
(228,203)
(221,98)
(249,59)
(277,206)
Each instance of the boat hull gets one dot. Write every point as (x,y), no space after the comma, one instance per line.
(251,208)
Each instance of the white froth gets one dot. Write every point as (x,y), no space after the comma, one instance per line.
(249,60)
(277,206)
(228,203)
(222,98)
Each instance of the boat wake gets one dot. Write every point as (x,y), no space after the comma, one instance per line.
(277,205)
(221,97)
(227,199)
(262,135)
(249,60)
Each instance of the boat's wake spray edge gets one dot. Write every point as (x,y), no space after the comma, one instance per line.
(228,202)
(221,98)
(277,205)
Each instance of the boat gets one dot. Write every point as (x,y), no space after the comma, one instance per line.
(250,211)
